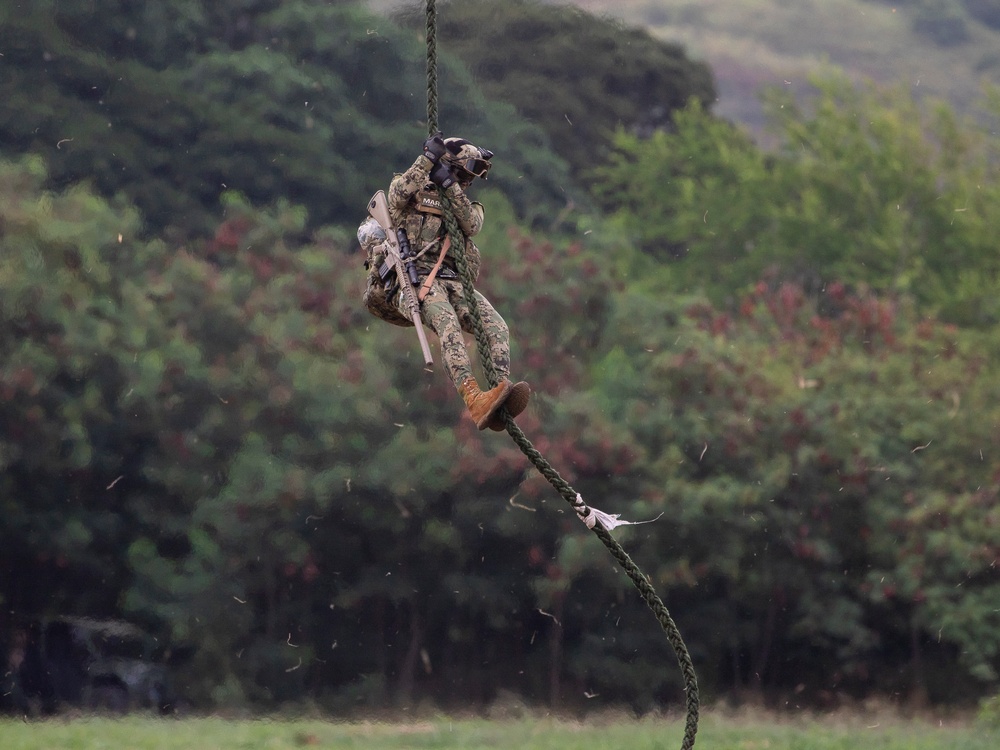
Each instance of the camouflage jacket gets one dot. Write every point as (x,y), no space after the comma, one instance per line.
(414,204)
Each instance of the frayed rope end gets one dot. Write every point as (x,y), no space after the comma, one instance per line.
(608,521)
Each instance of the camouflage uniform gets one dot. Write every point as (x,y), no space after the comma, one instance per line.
(414,205)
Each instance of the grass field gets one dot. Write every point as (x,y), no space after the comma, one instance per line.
(717,732)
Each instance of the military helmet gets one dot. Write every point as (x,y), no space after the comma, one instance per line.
(468,158)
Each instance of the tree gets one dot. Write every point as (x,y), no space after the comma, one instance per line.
(690,195)
(787,442)
(72,446)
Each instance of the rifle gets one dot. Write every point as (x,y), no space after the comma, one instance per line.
(399,257)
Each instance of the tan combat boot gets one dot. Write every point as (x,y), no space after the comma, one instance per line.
(516,402)
(482,406)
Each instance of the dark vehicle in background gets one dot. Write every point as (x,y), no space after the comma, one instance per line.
(93,665)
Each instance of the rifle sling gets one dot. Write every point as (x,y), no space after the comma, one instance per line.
(426,286)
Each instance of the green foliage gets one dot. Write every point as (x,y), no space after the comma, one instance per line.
(67,436)
(653,184)
(867,188)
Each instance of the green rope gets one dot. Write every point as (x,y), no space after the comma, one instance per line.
(432,103)
(639,580)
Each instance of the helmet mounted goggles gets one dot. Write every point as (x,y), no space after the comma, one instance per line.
(477,167)
(469,158)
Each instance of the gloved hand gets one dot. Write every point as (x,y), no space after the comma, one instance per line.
(442,175)
(434,148)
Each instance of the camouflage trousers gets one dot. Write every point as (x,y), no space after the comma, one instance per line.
(444,310)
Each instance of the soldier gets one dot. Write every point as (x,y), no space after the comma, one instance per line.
(414,205)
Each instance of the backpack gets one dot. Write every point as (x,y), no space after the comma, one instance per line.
(379,296)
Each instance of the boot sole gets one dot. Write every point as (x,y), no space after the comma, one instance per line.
(489,416)
(516,402)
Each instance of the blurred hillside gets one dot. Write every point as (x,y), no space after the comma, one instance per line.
(939,48)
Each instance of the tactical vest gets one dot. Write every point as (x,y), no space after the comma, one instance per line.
(424,223)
